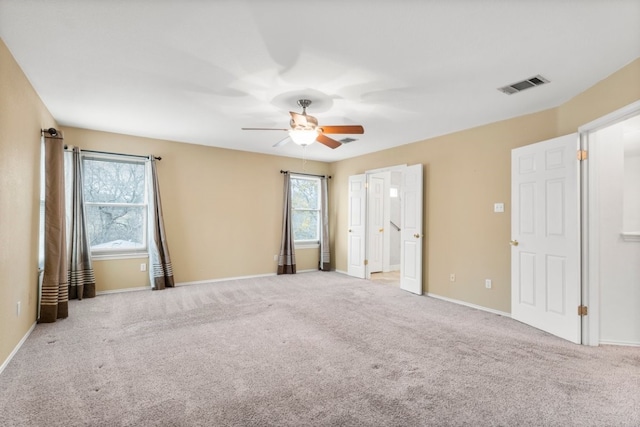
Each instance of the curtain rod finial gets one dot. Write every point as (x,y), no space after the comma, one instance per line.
(50,131)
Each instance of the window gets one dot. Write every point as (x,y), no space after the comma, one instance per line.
(115,198)
(305,209)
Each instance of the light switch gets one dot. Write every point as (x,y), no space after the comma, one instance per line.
(498,207)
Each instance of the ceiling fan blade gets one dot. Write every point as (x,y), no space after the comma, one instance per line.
(329,142)
(343,129)
(262,129)
(282,142)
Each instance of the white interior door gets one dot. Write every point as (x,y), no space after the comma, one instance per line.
(376,222)
(545,229)
(357,226)
(411,233)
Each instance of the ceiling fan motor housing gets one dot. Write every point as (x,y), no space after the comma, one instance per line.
(303,121)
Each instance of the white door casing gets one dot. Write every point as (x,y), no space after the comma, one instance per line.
(411,233)
(356,226)
(545,232)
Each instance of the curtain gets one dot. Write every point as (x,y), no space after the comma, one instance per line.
(54,303)
(160,268)
(287,258)
(325,254)
(82,282)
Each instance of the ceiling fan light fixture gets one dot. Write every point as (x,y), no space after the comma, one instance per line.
(303,137)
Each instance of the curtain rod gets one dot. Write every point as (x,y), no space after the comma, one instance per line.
(54,134)
(307,174)
(118,154)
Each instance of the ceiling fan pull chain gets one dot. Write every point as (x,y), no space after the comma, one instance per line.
(304,158)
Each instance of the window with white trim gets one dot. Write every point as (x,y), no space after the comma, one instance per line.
(305,209)
(115,199)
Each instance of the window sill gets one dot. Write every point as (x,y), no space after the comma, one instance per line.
(307,245)
(105,257)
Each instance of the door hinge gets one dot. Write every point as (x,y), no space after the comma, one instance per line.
(366,262)
(583,155)
(582,310)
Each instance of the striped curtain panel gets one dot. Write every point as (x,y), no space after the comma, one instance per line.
(54,302)
(287,257)
(82,282)
(161,270)
(325,254)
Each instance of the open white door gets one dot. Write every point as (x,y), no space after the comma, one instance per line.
(356,224)
(545,230)
(376,222)
(411,233)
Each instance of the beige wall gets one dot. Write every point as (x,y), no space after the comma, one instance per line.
(222,209)
(465,174)
(22,115)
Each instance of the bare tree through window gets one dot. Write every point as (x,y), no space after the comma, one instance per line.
(115,199)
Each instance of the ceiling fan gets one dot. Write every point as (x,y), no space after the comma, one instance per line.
(305,130)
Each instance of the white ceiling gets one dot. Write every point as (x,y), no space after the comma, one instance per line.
(407,70)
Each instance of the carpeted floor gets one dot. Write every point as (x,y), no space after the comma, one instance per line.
(314,349)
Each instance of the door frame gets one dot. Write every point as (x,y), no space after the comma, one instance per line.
(368,174)
(590,259)
(397,168)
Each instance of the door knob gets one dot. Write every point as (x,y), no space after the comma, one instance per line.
(381,230)
(349,230)
(417,236)
(513,242)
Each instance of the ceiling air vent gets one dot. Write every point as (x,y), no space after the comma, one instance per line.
(347,140)
(525,84)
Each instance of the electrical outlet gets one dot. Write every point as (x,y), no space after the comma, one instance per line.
(452,277)
(487,283)
(18,308)
(275,257)
(143,266)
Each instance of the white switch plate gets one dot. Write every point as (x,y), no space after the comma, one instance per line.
(498,207)
(143,266)
(487,283)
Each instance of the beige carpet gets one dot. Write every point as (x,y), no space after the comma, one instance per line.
(315,349)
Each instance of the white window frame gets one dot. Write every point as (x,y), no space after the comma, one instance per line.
(140,252)
(315,243)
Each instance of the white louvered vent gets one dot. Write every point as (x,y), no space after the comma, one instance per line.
(525,84)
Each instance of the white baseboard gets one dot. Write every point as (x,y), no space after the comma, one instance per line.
(197,282)
(467,304)
(224,279)
(15,350)
(341,272)
(227,279)
(622,343)
(117,291)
